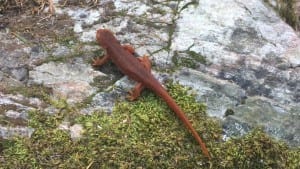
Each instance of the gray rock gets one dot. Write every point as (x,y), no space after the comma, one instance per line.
(69,81)
(7,81)
(13,114)
(37,55)
(61,51)
(245,45)
(14,56)
(76,131)
(20,74)
(234,127)
(277,119)
(248,45)
(7,132)
(219,95)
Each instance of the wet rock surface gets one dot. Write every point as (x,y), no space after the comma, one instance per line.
(243,59)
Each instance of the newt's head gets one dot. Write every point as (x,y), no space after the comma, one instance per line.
(105,37)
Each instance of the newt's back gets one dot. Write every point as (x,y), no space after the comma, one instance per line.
(125,61)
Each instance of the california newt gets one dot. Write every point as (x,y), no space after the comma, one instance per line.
(139,69)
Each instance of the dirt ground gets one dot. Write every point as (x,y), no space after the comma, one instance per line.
(30,20)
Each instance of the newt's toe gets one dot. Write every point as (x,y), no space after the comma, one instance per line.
(132,95)
(96,61)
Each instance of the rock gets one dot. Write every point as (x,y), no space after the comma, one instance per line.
(61,51)
(6,81)
(105,101)
(37,55)
(20,74)
(14,56)
(234,127)
(76,131)
(10,132)
(69,81)
(219,95)
(240,47)
(277,120)
(84,18)
(13,114)
(247,44)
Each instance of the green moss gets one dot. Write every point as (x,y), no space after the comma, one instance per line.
(141,134)
(192,60)
(293,158)
(228,112)
(17,149)
(254,150)
(197,57)
(187,62)
(287,11)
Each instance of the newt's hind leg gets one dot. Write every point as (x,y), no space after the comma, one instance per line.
(129,48)
(145,61)
(136,91)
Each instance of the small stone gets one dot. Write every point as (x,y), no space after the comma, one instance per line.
(13,114)
(76,131)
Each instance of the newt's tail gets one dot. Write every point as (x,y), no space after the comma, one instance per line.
(173,105)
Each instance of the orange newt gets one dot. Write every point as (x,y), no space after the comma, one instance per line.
(139,69)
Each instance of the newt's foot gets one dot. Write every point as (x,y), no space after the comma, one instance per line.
(135,92)
(131,96)
(100,61)
(96,62)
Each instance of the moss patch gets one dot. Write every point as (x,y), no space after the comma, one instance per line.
(141,134)
(192,60)
(287,11)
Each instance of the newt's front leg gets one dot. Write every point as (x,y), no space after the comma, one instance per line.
(97,62)
(100,61)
